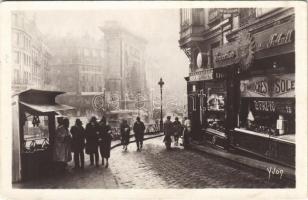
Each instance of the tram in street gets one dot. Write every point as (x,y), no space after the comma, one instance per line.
(34,124)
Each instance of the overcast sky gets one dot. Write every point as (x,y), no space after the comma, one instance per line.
(159,27)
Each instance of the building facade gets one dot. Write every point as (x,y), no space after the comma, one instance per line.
(30,55)
(125,73)
(77,67)
(241,86)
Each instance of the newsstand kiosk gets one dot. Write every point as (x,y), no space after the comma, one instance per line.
(34,126)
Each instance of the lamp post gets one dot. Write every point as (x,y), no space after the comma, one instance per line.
(161,83)
(138,102)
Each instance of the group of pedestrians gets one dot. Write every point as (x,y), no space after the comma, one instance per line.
(176,130)
(138,129)
(94,138)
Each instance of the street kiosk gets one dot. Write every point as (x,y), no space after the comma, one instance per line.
(34,126)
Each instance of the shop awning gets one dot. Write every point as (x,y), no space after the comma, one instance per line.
(46,108)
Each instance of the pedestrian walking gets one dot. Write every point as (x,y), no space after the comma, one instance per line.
(104,140)
(187,133)
(168,131)
(139,133)
(91,133)
(177,126)
(78,143)
(62,150)
(125,132)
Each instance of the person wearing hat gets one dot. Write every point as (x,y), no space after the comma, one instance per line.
(61,150)
(177,130)
(139,132)
(125,131)
(104,140)
(78,143)
(91,134)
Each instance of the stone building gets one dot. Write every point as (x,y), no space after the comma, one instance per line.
(30,55)
(241,84)
(77,67)
(125,64)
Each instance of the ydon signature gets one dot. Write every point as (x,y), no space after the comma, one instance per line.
(274,171)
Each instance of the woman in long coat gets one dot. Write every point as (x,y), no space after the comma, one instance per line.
(62,150)
(104,140)
(125,130)
(91,133)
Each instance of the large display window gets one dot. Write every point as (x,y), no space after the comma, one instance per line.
(268,115)
(215,106)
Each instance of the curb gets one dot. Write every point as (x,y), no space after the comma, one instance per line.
(288,173)
(131,141)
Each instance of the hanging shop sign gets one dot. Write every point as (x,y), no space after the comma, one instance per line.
(206,74)
(280,36)
(274,86)
(274,106)
(225,55)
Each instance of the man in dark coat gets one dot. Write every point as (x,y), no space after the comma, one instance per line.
(139,132)
(104,140)
(92,131)
(177,126)
(168,131)
(125,131)
(78,143)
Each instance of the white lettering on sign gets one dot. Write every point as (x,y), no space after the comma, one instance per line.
(225,56)
(277,39)
(268,106)
(201,75)
(277,86)
(283,86)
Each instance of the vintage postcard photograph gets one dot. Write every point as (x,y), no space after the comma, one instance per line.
(144,96)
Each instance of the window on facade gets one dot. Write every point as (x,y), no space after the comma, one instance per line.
(185,16)
(14,19)
(262,115)
(224,36)
(16,56)
(92,89)
(215,103)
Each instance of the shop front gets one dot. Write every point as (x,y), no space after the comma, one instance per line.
(266,119)
(211,96)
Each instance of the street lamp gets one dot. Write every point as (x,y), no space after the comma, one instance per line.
(161,83)
(138,103)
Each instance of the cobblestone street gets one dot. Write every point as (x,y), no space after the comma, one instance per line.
(155,167)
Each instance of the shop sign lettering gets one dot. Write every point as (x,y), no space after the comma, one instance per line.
(274,106)
(201,75)
(276,36)
(277,86)
(264,106)
(220,57)
(277,39)
(225,55)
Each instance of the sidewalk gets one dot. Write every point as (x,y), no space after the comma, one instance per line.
(288,172)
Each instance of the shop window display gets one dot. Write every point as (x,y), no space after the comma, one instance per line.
(216,107)
(268,115)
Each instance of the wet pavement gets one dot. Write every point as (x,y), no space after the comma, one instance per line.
(155,167)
